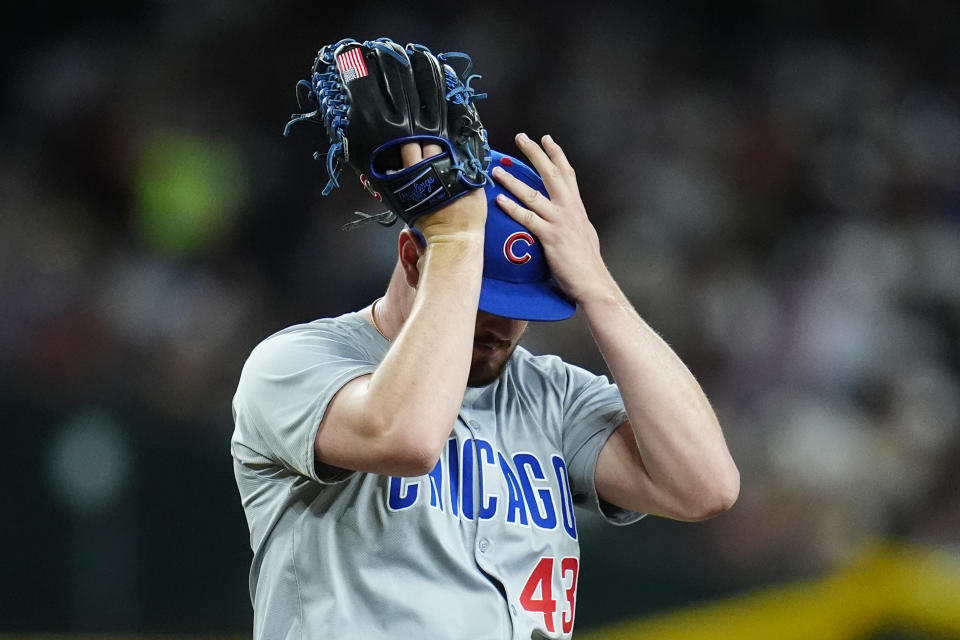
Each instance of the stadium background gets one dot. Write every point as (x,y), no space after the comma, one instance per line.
(777,188)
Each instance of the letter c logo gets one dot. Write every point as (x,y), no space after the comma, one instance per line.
(508,247)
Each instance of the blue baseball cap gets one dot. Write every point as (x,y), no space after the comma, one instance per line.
(516,279)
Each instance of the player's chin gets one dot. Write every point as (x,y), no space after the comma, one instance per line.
(486,366)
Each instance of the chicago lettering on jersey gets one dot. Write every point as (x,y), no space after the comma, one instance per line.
(474,480)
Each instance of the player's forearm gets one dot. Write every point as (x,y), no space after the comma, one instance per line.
(416,392)
(678,435)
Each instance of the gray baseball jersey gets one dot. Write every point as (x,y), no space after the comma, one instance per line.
(485,546)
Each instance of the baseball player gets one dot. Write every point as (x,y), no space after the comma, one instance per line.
(408,470)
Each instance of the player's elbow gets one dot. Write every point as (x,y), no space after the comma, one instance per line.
(411,452)
(719,495)
(413,460)
(724,497)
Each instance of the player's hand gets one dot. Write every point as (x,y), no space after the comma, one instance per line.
(464,218)
(569,240)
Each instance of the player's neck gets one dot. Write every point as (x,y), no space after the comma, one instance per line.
(373,317)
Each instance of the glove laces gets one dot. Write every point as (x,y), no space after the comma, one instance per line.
(325,92)
(385,218)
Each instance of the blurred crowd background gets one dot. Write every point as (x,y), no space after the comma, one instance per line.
(776,187)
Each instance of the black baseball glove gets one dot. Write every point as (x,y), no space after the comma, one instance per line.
(375,96)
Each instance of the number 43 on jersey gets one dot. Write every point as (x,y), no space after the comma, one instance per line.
(537,595)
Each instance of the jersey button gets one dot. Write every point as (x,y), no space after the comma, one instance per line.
(475,425)
(513,609)
(483,545)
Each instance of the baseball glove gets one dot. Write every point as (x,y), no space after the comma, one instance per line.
(372,98)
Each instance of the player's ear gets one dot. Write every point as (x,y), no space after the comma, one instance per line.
(410,247)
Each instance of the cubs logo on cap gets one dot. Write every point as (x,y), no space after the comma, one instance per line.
(516,279)
(510,251)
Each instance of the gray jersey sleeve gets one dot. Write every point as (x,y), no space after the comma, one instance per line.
(592,411)
(284,389)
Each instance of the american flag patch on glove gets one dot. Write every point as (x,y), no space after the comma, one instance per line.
(351,65)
